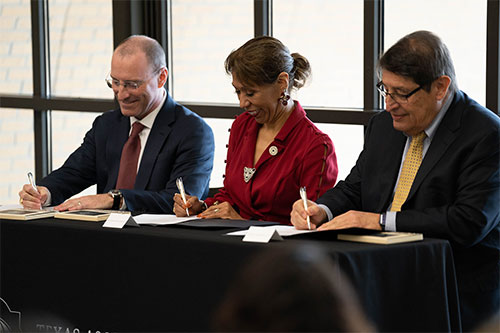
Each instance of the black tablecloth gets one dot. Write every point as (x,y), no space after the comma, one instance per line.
(65,275)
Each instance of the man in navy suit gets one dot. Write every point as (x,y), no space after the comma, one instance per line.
(454,195)
(174,142)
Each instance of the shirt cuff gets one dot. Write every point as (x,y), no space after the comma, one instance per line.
(124,204)
(49,199)
(327,211)
(390,221)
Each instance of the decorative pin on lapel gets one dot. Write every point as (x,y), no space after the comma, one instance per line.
(248,173)
(273,150)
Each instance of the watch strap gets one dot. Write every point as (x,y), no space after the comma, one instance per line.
(117,198)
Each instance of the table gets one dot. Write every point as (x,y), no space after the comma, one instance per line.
(74,276)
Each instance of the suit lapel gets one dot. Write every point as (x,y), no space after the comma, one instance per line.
(444,137)
(156,139)
(114,148)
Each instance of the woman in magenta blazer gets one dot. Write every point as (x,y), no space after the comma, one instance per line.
(274,149)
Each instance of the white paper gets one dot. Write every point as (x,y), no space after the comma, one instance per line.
(161,219)
(261,235)
(283,230)
(119,220)
(13,206)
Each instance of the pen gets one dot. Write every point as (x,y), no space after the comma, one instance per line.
(32,181)
(303,195)
(180,186)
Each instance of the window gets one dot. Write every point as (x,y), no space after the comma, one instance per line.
(204,32)
(15,51)
(461,24)
(16,149)
(330,35)
(16,126)
(81,46)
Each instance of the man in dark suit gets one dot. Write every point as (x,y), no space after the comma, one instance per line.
(453,194)
(134,170)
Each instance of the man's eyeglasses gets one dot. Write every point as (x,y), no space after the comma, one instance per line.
(398,98)
(132,85)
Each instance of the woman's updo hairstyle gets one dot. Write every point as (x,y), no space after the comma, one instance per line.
(260,60)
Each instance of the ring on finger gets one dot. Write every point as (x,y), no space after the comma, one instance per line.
(21,201)
(79,203)
(216,210)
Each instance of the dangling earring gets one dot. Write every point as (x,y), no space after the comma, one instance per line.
(284,98)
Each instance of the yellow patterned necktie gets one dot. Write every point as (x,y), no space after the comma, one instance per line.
(408,171)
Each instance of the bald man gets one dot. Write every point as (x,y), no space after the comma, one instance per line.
(135,153)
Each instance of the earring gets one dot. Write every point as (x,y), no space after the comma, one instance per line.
(284,98)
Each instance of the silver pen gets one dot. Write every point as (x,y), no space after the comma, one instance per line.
(32,181)
(303,195)
(180,186)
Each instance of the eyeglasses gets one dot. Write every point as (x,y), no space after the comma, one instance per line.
(132,85)
(398,98)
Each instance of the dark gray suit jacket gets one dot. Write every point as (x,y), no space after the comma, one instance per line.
(180,144)
(455,194)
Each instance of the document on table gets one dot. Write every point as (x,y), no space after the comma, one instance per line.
(161,219)
(12,206)
(283,230)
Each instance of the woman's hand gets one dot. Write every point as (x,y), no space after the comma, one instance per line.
(221,211)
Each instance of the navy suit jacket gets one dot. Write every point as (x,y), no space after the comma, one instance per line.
(180,144)
(455,194)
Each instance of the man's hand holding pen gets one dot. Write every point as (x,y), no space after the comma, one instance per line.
(298,216)
(31,198)
(193,205)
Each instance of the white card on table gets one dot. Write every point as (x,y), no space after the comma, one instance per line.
(118,221)
(261,235)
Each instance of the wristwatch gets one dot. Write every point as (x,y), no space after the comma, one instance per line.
(117,198)
(382,221)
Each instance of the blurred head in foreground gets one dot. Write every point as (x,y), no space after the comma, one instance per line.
(291,289)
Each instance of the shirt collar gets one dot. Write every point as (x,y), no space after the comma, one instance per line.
(150,118)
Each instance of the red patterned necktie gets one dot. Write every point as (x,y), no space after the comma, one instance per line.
(130,158)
